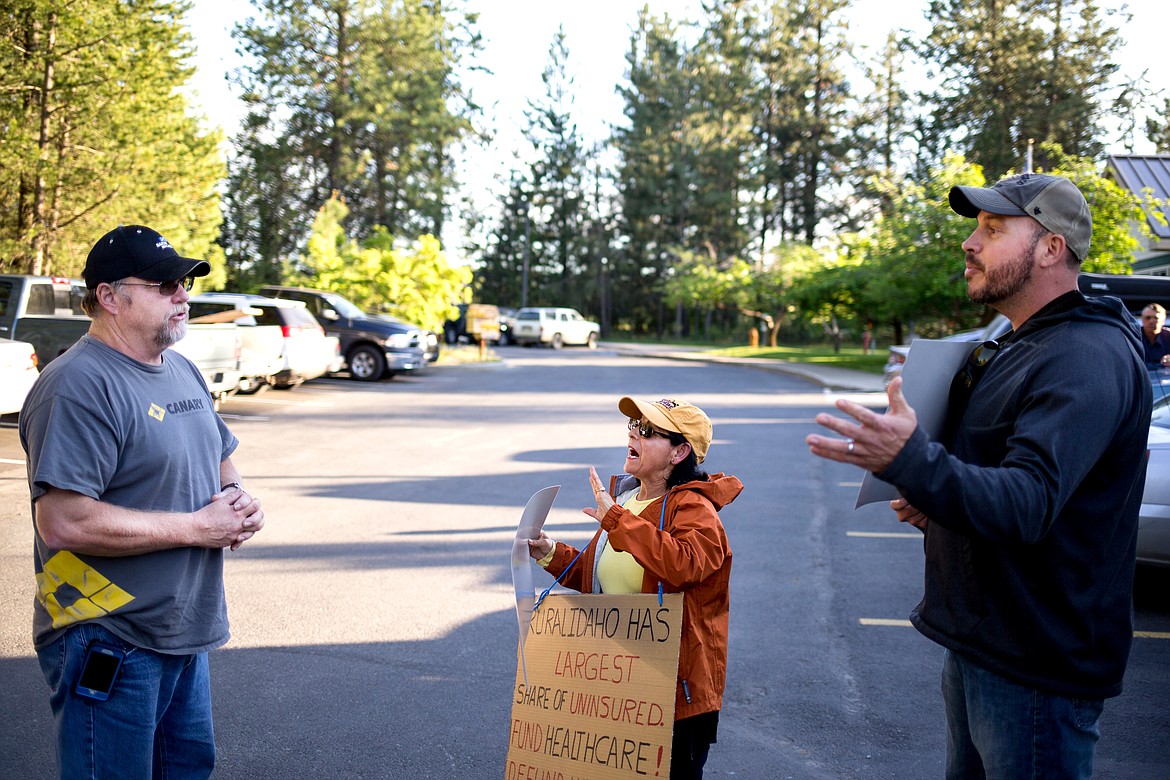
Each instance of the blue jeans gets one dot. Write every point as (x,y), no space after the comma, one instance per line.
(999,730)
(156,723)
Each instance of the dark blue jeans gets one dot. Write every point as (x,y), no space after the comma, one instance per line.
(999,730)
(156,723)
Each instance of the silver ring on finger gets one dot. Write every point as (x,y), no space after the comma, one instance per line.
(849,449)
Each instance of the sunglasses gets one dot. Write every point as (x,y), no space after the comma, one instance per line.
(645,430)
(167,289)
(977,363)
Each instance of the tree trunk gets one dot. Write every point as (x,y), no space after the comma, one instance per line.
(40,235)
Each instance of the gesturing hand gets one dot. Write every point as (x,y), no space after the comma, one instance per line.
(603,498)
(874,440)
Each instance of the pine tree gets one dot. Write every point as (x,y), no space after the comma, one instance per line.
(97,132)
(655,202)
(1158,129)
(1011,71)
(558,171)
(357,98)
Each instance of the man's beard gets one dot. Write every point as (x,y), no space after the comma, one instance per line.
(1008,279)
(168,335)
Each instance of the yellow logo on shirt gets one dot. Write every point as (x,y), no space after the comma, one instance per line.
(157,412)
(67,578)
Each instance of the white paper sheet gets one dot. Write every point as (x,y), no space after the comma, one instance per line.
(535,513)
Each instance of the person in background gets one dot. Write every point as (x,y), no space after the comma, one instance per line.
(1029,504)
(1155,338)
(660,532)
(134,498)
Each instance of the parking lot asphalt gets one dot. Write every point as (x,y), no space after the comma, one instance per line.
(828,377)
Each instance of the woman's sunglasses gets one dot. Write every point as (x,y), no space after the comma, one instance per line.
(645,430)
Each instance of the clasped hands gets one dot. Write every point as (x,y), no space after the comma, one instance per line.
(247,516)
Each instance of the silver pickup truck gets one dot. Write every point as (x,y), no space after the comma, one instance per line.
(45,311)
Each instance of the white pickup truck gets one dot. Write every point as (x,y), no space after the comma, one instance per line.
(46,312)
(18,371)
(215,350)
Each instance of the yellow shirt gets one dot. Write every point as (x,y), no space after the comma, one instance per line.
(618,572)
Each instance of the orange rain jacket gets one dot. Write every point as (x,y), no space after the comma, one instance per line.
(691,554)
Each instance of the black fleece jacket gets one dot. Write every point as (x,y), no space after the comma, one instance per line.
(1033,507)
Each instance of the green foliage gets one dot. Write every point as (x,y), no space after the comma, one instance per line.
(1116,212)
(909,270)
(97,133)
(746,178)
(913,270)
(417,286)
(555,202)
(1158,129)
(354,97)
(1009,71)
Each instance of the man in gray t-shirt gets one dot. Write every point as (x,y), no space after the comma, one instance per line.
(134,498)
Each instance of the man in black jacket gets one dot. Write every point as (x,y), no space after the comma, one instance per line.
(1030,505)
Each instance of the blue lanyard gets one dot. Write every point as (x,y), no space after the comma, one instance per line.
(661,521)
(545,592)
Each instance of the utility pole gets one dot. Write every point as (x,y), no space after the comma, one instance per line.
(527,249)
(523,206)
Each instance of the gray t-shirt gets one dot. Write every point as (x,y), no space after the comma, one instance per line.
(100,423)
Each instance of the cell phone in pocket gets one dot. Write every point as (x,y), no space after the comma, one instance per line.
(100,671)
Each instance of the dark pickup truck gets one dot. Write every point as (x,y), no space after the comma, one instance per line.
(373,347)
(45,311)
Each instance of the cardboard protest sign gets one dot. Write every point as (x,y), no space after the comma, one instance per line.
(599,698)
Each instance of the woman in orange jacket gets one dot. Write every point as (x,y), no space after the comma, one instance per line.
(660,532)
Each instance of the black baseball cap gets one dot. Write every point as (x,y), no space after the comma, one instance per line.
(135,250)
(1053,201)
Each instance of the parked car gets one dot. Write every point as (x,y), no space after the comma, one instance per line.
(432,344)
(1153,542)
(303,351)
(507,324)
(475,321)
(261,346)
(555,327)
(18,371)
(215,350)
(46,312)
(899,352)
(372,347)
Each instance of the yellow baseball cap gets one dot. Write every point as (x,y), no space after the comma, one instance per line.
(673,414)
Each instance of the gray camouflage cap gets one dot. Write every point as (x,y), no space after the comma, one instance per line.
(1053,201)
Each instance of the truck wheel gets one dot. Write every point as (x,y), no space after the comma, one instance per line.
(557,341)
(366,363)
(592,341)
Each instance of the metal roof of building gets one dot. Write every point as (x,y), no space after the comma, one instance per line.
(1138,172)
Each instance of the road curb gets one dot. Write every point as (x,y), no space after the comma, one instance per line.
(828,377)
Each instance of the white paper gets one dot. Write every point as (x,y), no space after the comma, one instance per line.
(535,513)
(926,382)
